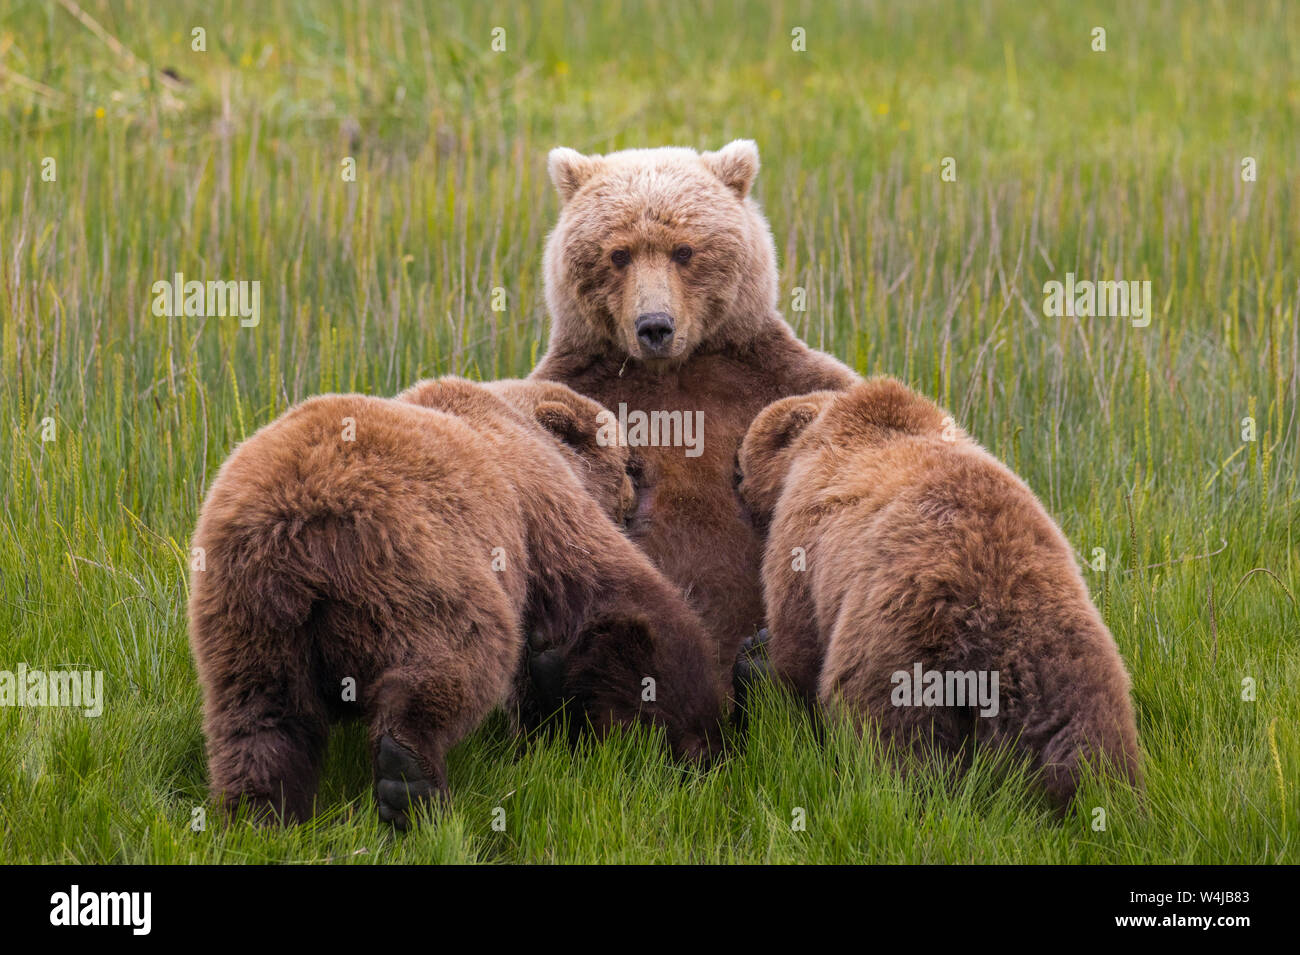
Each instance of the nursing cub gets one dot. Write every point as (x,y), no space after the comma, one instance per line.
(898,548)
(390,559)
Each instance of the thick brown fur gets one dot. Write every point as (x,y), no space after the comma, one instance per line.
(731,352)
(462,521)
(923,548)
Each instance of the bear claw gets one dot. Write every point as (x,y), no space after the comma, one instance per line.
(402,784)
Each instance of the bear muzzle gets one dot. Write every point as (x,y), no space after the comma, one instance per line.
(654,333)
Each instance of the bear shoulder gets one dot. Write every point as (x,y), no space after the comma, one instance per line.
(795,367)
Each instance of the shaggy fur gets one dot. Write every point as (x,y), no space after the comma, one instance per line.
(674,234)
(373,559)
(922,548)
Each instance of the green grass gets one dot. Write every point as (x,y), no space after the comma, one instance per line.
(1123,163)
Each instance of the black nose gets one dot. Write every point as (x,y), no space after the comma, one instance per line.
(654,331)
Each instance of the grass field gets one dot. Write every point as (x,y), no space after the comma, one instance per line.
(1126,163)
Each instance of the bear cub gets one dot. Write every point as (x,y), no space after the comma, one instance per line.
(897,549)
(396,559)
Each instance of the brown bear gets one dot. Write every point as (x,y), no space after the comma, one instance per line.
(390,559)
(914,583)
(661,282)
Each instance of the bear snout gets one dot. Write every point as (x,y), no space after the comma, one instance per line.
(654,331)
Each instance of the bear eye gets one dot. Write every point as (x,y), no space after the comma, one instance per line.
(682,254)
(620,257)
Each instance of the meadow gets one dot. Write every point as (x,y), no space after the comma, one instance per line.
(1168,452)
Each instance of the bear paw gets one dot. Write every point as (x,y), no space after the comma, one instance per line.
(402,785)
(751,667)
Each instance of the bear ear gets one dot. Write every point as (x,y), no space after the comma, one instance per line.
(736,164)
(565,424)
(421,393)
(570,170)
(792,423)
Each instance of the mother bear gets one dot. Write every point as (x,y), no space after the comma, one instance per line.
(661,282)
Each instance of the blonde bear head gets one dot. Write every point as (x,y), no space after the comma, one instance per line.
(658,253)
